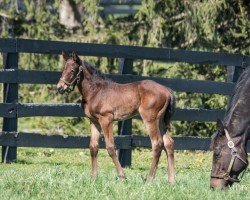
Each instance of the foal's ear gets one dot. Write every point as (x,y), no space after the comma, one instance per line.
(65,57)
(76,58)
(220,126)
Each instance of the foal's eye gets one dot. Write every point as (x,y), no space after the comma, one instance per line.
(72,71)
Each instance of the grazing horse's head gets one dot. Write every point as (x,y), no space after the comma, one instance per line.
(229,158)
(71,73)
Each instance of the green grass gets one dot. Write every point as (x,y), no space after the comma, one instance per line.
(65,174)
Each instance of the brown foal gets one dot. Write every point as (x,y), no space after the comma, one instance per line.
(104,102)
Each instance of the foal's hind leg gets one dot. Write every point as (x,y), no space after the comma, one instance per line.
(94,146)
(169,149)
(107,127)
(157,145)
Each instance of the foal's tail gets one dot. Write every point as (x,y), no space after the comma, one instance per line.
(170,110)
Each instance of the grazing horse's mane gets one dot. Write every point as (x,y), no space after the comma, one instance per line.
(237,104)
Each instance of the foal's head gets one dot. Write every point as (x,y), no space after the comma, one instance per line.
(71,73)
(229,157)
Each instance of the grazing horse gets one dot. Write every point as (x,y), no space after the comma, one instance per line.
(229,143)
(105,101)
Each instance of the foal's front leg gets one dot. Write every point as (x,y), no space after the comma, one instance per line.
(106,123)
(94,146)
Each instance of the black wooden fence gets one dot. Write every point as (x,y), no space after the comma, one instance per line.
(11,109)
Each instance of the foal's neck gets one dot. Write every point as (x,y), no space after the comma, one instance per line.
(92,82)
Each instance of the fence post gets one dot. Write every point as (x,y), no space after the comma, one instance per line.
(125,127)
(10,95)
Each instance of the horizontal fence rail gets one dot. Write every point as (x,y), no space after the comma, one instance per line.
(113,10)
(122,51)
(122,142)
(12,110)
(178,85)
(119,2)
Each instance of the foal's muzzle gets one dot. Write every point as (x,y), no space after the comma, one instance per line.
(68,89)
(60,90)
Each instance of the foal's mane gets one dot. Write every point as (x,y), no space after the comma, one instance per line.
(93,70)
(97,77)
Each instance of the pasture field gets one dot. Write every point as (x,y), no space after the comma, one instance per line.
(65,174)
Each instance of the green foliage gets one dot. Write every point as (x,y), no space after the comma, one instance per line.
(217,25)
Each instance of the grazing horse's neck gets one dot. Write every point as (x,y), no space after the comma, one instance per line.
(237,117)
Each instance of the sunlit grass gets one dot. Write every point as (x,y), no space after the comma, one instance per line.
(65,174)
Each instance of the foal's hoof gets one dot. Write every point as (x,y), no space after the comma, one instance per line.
(149,179)
(94,176)
(122,177)
(171,181)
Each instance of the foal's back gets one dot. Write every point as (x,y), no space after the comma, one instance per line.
(125,100)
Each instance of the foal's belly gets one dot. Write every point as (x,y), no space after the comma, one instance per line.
(126,106)
(118,116)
